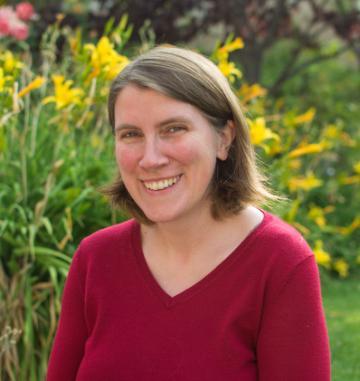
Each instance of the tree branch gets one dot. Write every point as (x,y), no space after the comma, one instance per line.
(280,10)
(288,72)
(285,73)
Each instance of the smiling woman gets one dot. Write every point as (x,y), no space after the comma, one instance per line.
(166,154)
(202,284)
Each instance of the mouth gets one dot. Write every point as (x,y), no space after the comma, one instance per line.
(161,184)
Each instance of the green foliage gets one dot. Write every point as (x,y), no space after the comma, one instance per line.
(54,155)
(332,87)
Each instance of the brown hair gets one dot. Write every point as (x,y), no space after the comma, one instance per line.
(190,77)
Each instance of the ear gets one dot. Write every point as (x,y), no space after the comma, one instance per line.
(226,137)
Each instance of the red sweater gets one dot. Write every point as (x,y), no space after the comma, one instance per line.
(257,316)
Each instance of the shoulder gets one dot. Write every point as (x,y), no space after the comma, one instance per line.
(280,237)
(281,251)
(111,234)
(108,241)
(279,246)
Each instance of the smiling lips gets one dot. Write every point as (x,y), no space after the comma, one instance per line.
(162,184)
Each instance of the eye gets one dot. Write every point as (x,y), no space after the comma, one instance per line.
(129,135)
(174,129)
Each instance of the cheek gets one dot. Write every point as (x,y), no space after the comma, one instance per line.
(190,151)
(186,153)
(194,151)
(126,158)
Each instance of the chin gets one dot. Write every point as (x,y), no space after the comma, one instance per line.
(162,217)
(159,218)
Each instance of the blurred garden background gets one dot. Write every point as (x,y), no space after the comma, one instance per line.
(295,67)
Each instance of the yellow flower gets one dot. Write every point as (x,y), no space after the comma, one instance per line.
(302,229)
(317,214)
(277,148)
(105,59)
(237,44)
(222,53)
(306,149)
(259,133)
(64,94)
(357,167)
(306,183)
(347,139)
(352,227)
(75,41)
(248,93)
(321,256)
(342,267)
(229,70)
(10,62)
(331,132)
(349,180)
(307,117)
(35,84)
(295,164)
(2,79)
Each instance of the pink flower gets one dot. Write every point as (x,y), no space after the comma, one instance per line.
(10,23)
(19,30)
(7,15)
(4,27)
(24,11)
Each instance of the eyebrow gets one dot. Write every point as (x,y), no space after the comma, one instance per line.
(124,126)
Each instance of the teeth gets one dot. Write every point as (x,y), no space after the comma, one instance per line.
(159,185)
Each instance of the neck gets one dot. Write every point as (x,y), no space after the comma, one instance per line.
(181,238)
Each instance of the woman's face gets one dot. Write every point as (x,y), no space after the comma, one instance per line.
(166,151)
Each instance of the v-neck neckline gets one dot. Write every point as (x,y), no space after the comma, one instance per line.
(170,301)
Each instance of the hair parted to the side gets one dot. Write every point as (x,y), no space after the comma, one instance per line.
(190,77)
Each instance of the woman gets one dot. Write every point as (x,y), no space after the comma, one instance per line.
(202,284)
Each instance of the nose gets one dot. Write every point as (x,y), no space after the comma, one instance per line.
(153,155)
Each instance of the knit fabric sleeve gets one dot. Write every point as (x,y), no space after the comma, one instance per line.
(69,343)
(293,340)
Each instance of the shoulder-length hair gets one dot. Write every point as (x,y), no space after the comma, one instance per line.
(190,77)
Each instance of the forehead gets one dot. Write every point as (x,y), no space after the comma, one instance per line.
(135,104)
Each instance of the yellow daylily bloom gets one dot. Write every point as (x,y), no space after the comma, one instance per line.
(331,132)
(342,267)
(2,79)
(357,167)
(306,183)
(237,44)
(259,132)
(10,63)
(276,148)
(307,149)
(307,117)
(248,93)
(105,59)
(302,229)
(347,139)
(229,70)
(222,53)
(317,214)
(322,257)
(349,229)
(35,84)
(295,164)
(357,260)
(350,180)
(64,94)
